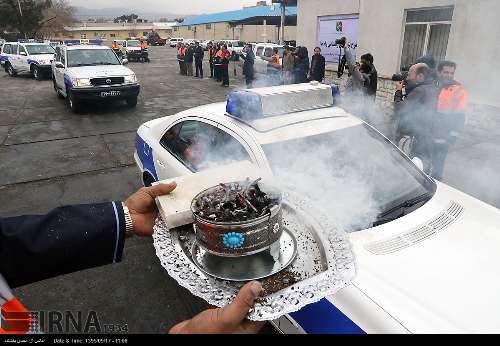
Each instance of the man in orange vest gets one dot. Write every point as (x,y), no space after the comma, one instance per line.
(181,52)
(450,118)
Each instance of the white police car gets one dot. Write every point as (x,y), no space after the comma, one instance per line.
(428,260)
(27,57)
(92,72)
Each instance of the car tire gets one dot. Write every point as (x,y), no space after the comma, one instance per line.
(37,74)
(147,179)
(10,70)
(132,101)
(73,102)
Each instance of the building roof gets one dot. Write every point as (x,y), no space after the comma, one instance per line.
(239,15)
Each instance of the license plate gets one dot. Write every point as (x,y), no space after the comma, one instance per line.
(110,93)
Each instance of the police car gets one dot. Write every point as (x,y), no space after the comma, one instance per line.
(27,57)
(92,72)
(133,51)
(428,260)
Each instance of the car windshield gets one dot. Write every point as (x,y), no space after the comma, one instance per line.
(133,43)
(352,174)
(92,57)
(239,44)
(40,49)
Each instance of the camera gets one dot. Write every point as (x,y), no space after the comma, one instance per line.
(341,42)
(403,75)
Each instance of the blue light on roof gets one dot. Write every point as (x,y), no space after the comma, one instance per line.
(244,105)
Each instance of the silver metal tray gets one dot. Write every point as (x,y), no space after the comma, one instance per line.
(323,265)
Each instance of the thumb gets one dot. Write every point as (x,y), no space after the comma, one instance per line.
(234,313)
(161,189)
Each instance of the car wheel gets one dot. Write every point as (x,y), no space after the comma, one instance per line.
(11,71)
(132,101)
(147,179)
(37,74)
(73,102)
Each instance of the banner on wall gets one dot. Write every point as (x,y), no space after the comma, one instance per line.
(332,28)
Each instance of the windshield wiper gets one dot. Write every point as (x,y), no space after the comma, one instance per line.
(382,218)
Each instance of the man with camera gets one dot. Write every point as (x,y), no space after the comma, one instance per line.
(415,106)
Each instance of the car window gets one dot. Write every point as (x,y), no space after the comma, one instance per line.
(259,51)
(40,49)
(268,52)
(21,50)
(7,49)
(92,57)
(200,146)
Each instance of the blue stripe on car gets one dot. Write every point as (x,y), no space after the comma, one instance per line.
(324,318)
(33,62)
(145,153)
(68,81)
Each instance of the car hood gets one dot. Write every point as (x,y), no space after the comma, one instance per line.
(447,283)
(42,57)
(99,71)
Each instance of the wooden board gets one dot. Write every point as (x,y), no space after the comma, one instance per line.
(175,208)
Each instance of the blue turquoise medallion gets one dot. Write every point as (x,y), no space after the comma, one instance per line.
(233,240)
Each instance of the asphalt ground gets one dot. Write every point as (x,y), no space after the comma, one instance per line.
(50,157)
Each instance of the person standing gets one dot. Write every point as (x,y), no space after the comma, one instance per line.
(288,65)
(450,118)
(274,68)
(318,63)
(248,65)
(301,67)
(211,56)
(188,59)
(225,58)
(218,63)
(181,51)
(198,60)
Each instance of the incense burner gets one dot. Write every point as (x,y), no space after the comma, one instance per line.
(237,219)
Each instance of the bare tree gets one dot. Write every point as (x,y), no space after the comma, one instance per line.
(55,18)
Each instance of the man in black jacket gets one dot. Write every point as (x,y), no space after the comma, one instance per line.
(248,65)
(188,60)
(317,66)
(199,54)
(69,239)
(416,110)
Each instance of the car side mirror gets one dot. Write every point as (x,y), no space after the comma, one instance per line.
(418,162)
(23,53)
(124,61)
(59,64)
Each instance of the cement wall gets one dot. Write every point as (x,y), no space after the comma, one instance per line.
(474,40)
(247,33)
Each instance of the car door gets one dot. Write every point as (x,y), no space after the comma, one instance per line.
(23,65)
(14,57)
(59,71)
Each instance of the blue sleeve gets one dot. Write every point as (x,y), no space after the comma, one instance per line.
(67,239)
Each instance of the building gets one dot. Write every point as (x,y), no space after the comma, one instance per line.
(259,23)
(396,32)
(114,31)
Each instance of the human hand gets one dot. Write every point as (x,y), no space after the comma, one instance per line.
(399,86)
(142,207)
(227,320)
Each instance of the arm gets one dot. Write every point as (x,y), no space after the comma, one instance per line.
(68,239)
(351,62)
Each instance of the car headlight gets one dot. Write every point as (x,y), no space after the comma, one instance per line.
(131,79)
(79,82)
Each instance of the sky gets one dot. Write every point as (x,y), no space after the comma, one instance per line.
(169,6)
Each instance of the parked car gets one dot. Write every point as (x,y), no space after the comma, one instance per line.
(173,41)
(91,72)
(428,261)
(27,57)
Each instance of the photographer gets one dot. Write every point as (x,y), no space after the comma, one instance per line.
(416,110)
(248,65)
(363,77)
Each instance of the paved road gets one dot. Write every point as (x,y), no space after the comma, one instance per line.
(51,157)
